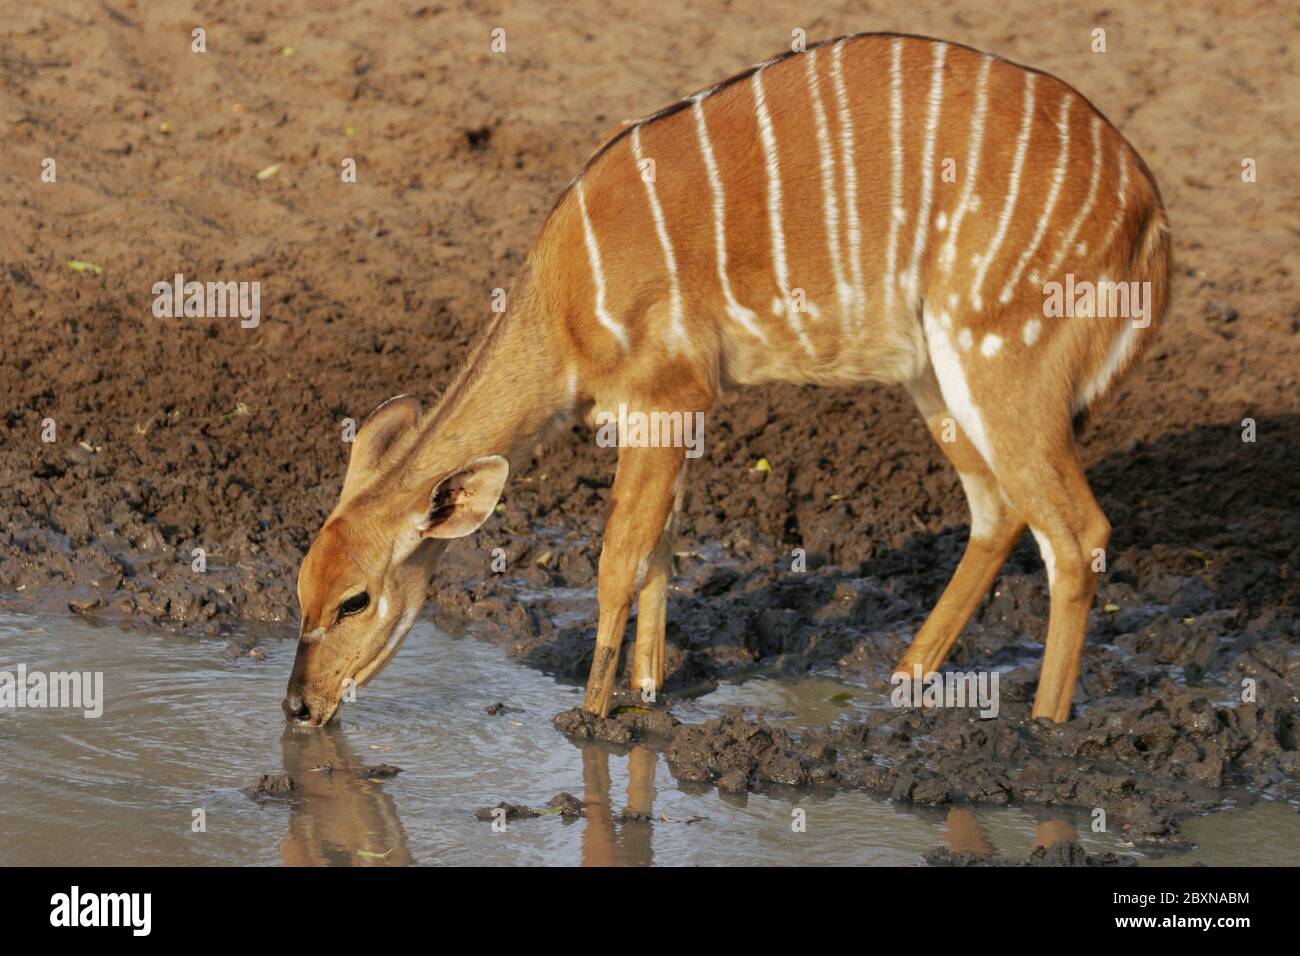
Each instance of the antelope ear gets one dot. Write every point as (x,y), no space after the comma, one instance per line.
(379,433)
(462,501)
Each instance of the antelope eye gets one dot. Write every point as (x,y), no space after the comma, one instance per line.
(354,605)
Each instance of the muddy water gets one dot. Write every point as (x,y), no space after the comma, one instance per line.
(185,727)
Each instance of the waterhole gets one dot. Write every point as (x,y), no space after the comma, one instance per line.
(158,777)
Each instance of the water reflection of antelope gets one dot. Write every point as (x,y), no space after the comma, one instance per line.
(608,837)
(338,818)
(965,834)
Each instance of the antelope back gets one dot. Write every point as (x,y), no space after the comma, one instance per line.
(818,216)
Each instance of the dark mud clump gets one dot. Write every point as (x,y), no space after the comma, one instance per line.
(626,725)
(271,786)
(564,805)
(512,811)
(379,771)
(568,805)
(1063,853)
(738,754)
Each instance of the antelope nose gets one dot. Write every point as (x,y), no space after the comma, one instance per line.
(295,708)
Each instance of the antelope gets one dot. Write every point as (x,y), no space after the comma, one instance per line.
(876,207)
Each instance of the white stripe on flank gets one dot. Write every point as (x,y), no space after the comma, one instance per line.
(964,205)
(896,213)
(670,260)
(1013,190)
(1058,177)
(927,170)
(1123,200)
(850,181)
(597,275)
(1088,203)
(830,202)
(773,164)
(745,317)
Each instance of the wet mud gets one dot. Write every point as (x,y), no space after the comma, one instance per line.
(271,786)
(1063,853)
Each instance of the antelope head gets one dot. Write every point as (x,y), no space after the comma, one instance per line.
(364,579)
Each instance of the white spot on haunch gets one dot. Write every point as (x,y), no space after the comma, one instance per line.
(1032,329)
(941,221)
(991,345)
(965,339)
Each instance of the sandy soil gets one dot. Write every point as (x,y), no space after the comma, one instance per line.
(176,434)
